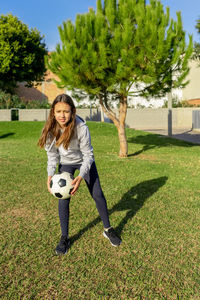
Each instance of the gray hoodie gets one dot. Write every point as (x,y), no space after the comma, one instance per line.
(79,151)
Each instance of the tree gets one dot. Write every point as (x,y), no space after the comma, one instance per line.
(21,53)
(198,25)
(196,55)
(123,43)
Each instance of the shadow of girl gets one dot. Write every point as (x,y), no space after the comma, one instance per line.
(134,199)
(131,202)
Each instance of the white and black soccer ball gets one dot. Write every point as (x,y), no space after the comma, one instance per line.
(61,185)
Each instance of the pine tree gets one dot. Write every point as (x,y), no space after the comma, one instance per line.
(198,25)
(123,43)
(196,55)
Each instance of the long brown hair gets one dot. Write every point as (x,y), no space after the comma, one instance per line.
(51,128)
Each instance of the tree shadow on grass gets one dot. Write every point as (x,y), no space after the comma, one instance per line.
(130,202)
(6,135)
(145,148)
(151,141)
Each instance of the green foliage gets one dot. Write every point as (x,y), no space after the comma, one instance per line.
(198,25)
(21,53)
(82,99)
(196,54)
(123,44)
(8,101)
(119,45)
(177,103)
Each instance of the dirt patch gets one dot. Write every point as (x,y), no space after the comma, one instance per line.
(25,214)
(148,157)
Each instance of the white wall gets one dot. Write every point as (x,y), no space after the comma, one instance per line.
(146,118)
(5,115)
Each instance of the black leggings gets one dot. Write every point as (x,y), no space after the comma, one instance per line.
(93,184)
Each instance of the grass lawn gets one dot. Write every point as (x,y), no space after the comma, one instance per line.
(153,197)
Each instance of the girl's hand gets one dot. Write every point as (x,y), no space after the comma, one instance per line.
(48,183)
(76,182)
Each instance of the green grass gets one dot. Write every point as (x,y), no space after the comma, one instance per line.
(153,197)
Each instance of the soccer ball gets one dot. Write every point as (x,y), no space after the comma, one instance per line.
(61,185)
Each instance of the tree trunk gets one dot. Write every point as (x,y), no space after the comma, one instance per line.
(123,152)
(121,128)
(119,123)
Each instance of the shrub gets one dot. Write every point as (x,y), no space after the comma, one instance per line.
(183,103)
(8,101)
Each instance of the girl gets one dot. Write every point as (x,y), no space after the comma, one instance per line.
(66,139)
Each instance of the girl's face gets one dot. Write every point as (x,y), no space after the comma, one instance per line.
(62,113)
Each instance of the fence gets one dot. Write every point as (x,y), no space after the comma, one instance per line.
(136,118)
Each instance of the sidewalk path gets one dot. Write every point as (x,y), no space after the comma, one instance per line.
(187,135)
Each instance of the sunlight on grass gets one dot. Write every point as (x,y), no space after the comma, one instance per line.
(153,202)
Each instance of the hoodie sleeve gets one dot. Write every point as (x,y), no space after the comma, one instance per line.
(86,149)
(53,157)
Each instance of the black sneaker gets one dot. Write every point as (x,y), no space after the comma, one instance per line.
(63,246)
(111,235)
